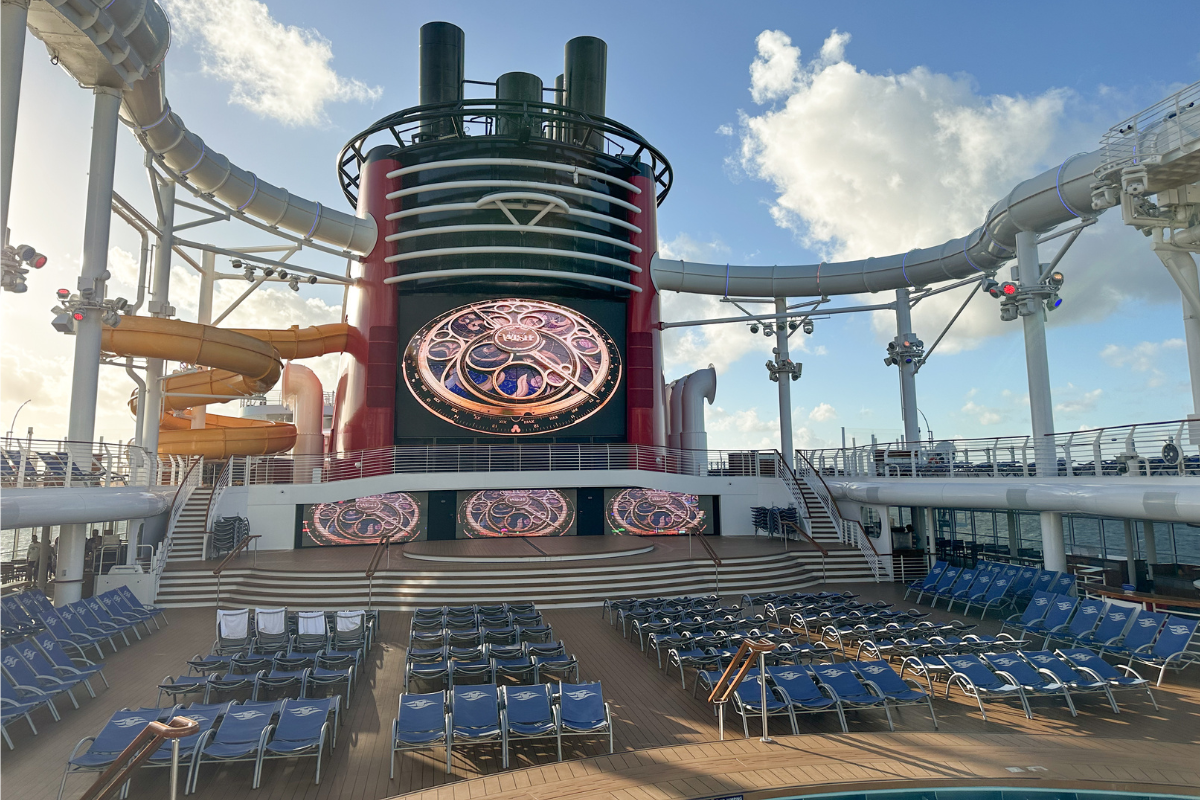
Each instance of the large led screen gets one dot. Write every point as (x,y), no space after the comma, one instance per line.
(498,513)
(510,367)
(652,512)
(400,515)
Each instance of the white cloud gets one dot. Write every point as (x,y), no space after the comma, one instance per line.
(1077,402)
(725,130)
(745,429)
(823,413)
(277,71)
(1147,358)
(1004,407)
(776,70)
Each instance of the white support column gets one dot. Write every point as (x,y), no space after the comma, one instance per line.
(159,306)
(13,14)
(908,372)
(1130,553)
(85,380)
(1183,269)
(785,385)
(208,278)
(1041,404)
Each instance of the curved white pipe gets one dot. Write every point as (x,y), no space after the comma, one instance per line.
(1056,196)
(675,411)
(701,385)
(122,43)
(1163,499)
(31,508)
(302,394)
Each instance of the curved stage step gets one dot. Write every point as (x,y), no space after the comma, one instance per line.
(559,584)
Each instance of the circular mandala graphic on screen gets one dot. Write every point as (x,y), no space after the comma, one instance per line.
(515,512)
(649,512)
(512,367)
(364,520)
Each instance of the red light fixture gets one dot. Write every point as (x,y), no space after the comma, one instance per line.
(1008,289)
(63,294)
(77,316)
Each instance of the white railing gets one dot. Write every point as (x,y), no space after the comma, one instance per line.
(224,481)
(190,479)
(57,463)
(327,468)
(849,531)
(1149,449)
(1170,124)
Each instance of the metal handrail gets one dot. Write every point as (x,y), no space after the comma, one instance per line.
(384,546)
(239,547)
(812,541)
(137,752)
(729,681)
(835,512)
(716,560)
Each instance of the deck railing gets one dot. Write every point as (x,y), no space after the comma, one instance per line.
(1152,449)
(57,463)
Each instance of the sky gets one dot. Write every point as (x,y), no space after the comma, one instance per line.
(797,132)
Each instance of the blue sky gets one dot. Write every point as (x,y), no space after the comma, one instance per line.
(771,182)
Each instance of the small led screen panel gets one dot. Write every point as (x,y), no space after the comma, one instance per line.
(501,513)
(654,512)
(402,516)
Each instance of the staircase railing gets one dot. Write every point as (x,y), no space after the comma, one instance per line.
(187,485)
(716,560)
(805,535)
(850,532)
(143,746)
(384,546)
(238,548)
(732,677)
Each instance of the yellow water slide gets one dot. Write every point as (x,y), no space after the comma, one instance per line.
(237,363)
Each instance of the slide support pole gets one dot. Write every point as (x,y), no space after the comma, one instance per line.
(13,15)
(785,386)
(1041,404)
(908,372)
(159,306)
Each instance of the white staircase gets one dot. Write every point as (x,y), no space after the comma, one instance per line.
(187,541)
(824,529)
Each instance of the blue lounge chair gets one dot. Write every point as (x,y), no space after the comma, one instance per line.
(1087,615)
(206,716)
(976,592)
(1023,579)
(693,658)
(803,694)
(182,686)
(583,712)
(1112,625)
(118,612)
(1172,649)
(67,626)
(63,664)
(996,596)
(233,632)
(929,581)
(1052,666)
(1042,581)
(11,711)
(1142,632)
(101,614)
(131,602)
(117,734)
(1017,669)
(17,704)
(881,676)
(47,672)
(947,580)
(303,727)
(1064,583)
(748,702)
(421,722)
(1035,612)
(556,667)
(529,713)
(1092,664)
(241,736)
(975,680)
(850,691)
(475,717)
(23,675)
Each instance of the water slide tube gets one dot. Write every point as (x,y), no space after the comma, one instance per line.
(1056,196)
(33,508)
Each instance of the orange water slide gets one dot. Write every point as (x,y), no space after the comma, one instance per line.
(238,363)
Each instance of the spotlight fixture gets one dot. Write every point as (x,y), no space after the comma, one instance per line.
(808,326)
(312,280)
(268,271)
(1053,301)
(754,328)
(991,286)
(283,274)
(792,324)
(768,330)
(294,284)
(63,295)
(1055,279)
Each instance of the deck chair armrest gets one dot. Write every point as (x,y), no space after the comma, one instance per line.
(20,687)
(65,643)
(1144,648)
(67,670)
(79,744)
(1053,678)
(1006,637)
(53,679)
(874,689)
(1008,677)
(1093,674)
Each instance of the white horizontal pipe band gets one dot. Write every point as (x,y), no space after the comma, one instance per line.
(483,184)
(574,212)
(596,237)
(537,197)
(519,251)
(513,162)
(532,273)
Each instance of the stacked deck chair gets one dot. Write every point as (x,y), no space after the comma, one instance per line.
(1118,678)
(1172,649)
(105,747)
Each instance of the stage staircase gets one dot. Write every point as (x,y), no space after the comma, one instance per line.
(566,584)
(823,528)
(187,540)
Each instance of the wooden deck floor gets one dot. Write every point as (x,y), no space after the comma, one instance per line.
(649,707)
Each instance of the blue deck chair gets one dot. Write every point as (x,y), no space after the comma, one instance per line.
(233,631)
(475,718)
(102,615)
(929,581)
(421,722)
(1042,582)
(84,616)
(1092,664)
(1046,662)
(898,692)
(22,703)
(206,716)
(182,686)
(1056,619)
(945,581)
(117,734)
(975,680)
(556,667)
(1171,650)
(126,594)
(582,711)
(850,691)
(1142,632)
(1017,669)
(692,658)
(22,676)
(67,627)
(426,665)
(1039,606)
(303,727)
(13,710)
(1087,616)
(747,701)
(513,665)
(120,613)
(282,678)
(17,620)
(241,736)
(63,664)
(47,672)
(975,592)
(1112,625)
(529,713)
(996,595)
(1024,577)
(234,681)
(1064,583)
(961,583)
(804,695)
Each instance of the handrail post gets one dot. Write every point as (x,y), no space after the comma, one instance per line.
(174,768)
(762,684)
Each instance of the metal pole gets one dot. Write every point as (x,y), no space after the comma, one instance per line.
(785,385)
(1041,404)
(174,768)
(13,15)
(208,263)
(721,721)
(159,306)
(762,684)
(1182,267)
(1130,552)
(908,372)
(85,379)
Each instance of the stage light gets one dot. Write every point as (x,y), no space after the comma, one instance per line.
(1008,289)
(294,284)
(768,330)
(63,295)
(283,274)
(312,280)
(754,329)
(792,324)
(1053,302)
(1056,279)
(991,286)
(808,326)
(63,323)
(120,304)
(888,361)
(1008,312)
(268,271)
(77,316)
